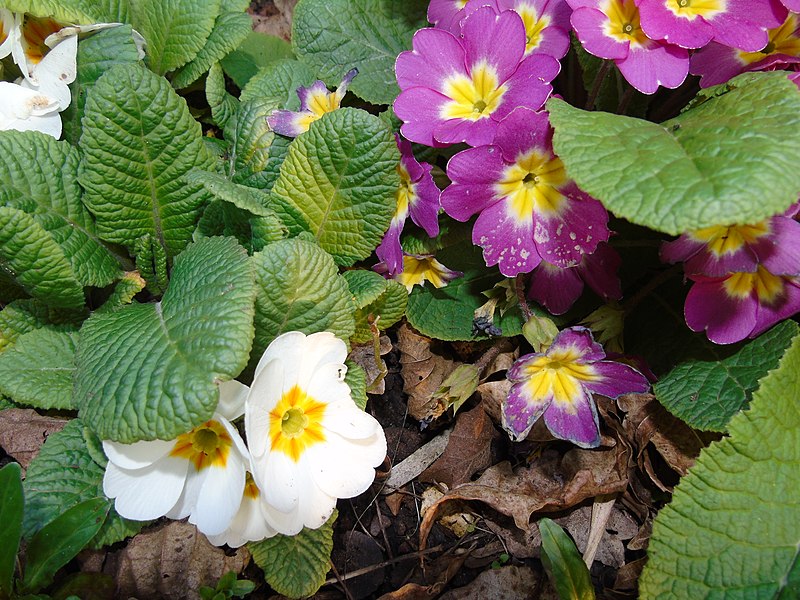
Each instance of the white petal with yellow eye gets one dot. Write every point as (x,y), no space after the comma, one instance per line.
(265,393)
(6,32)
(249,525)
(287,347)
(313,509)
(279,479)
(232,396)
(147,493)
(220,497)
(23,109)
(349,421)
(137,455)
(345,468)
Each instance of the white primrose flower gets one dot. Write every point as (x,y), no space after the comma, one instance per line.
(249,524)
(23,109)
(6,29)
(201,474)
(309,442)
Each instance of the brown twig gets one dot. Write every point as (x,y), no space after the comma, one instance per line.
(380,565)
(519,287)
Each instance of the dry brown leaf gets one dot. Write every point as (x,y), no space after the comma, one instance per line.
(468,450)
(506,583)
(551,483)
(23,431)
(619,528)
(274,17)
(395,501)
(441,571)
(364,356)
(423,371)
(170,561)
(492,395)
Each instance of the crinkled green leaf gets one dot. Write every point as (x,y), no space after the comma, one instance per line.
(223,105)
(333,36)
(37,371)
(139,142)
(447,313)
(229,30)
(732,530)
(706,394)
(567,571)
(60,540)
(151,263)
(62,476)
(25,315)
(248,199)
(700,169)
(151,371)
(299,289)
(96,54)
(37,263)
(339,182)
(356,378)
(175,30)
(279,81)
(256,152)
(73,11)
(11,504)
(254,53)
(377,299)
(126,288)
(39,176)
(296,565)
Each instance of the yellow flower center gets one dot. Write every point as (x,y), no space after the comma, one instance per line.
(418,270)
(559,375)
(623,22)
(768,287)
(405,195)
(250,488)
(691,9)
(722,239)
(532,184)
(319,103)
(206,445)
(534,25)
(473,99)
(782,40)
(296,423)
(35,31)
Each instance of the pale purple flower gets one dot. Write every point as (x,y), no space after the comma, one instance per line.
(457,89)
(558,288)
(418,197)
(529,209)
(691,24)
(559,383)
(447,14)
(417,269)
(611,29)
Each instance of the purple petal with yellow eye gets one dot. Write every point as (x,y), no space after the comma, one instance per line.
(715,64)
(521,411)
(575,229)
(648,67)
(389,251)
(494,40)
(725,319)
(288,123)
(785,307)
(779,251)
(580,341)
(554,287)
(575,421)
(521,131)
(616,379)
(507,241)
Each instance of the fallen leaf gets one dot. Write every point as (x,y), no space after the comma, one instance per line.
(506,583)
(423,370)
(364,356)
(553,482)
(170,561)
(23,431)
(275,18)
(468,450)
(395,501)
(441,571)
(410,467)
(456,520)
(361,550)
(619,528)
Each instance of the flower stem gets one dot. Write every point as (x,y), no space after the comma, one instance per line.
(651,285)
(519,287)
(625,101)
(597,83)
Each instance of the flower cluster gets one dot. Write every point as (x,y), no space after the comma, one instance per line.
(307,445)
(746,277)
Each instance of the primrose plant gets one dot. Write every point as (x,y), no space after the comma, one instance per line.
(196,236)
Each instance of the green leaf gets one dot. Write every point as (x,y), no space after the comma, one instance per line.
(254,53)
(356,378)
(39,176)
(564,564)
(151,371)
(23,316)
(96,55)
(295,566)
(139,142)
(63,475)
(333,36)
(299,289)
(11,517)
(175,30)
(38,263)
(73,11)
(229,31)
(690,173)
(732,529)
(223,105)
(59,541)
(249,199)
(279,82)
(706,394)
(447,313)
(381,300)
(37,371)
(127,287)
(339,182)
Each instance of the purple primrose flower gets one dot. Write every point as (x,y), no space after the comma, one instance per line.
(417,196)
(611,29)
(529,209)
(559,384)
(456,89)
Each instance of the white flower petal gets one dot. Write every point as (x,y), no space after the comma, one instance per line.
(232,395)
(249,525)
(23,109)
(313,509)
(265,393)
(191,492)
(346,468)
(286,347)
(220,497)
(238,443)
(279,478)
(321,349)
(349,421)
(326,384)
(137,455)
(147,493)
(6,29)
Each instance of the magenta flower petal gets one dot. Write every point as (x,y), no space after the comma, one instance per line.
(715,64)
(553,38)
(389,251)
(520,411)
(457,131)
(787,306)
(506,241)
(660,23)
(580,342)
(575,421)
(521,131)
(437,54)
(725,319)
(555,288)
(647,67)
(792,5)
(599,270)
(572,230)
(699,259)
(779,252)
(473,172)
(445,14)
(495,40)
(617,379)
(529,87)
(420,109)
(590,26)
